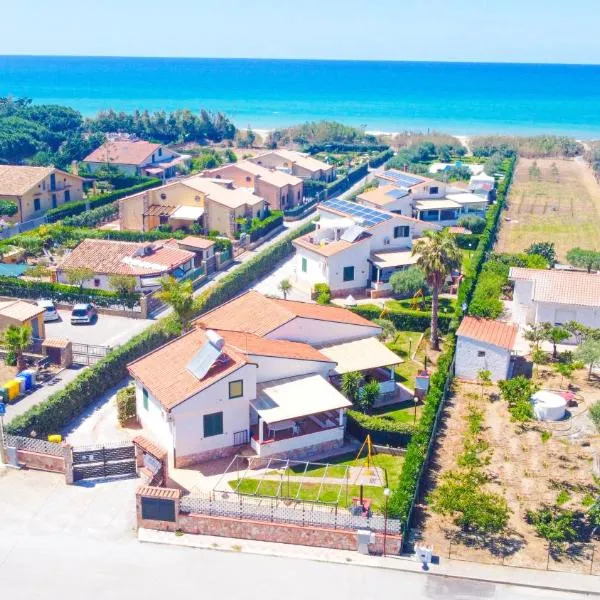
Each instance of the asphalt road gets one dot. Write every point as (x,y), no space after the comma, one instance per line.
(74,542)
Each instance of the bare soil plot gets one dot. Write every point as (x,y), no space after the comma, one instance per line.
(558,202)
(527,471)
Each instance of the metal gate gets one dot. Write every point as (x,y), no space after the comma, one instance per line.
(91,462)
(86,354)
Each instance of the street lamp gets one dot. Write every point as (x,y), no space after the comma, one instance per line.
(386,493)
(416,401)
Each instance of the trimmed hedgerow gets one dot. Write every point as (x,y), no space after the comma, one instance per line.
(386,432)
(404,319)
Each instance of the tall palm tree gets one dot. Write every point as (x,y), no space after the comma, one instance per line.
(438,255)
(16,339)
(179,295)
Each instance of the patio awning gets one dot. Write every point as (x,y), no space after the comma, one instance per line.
(393,259)
(437,205)
(296,397)
(361,355)
(188,213)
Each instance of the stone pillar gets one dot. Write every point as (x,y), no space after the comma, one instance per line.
(341,417)
(260,430)
(392,373)
(143,307)
(68,456)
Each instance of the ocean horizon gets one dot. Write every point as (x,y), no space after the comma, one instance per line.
(454,97)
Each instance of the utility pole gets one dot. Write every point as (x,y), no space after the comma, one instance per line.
(2,447)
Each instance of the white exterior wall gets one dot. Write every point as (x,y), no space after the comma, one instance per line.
(523,309)
(321,333)
(355,256)
(468,363)
(271,368)
(188,430)
(298,442)
(549,312)
(90,283)
(400,205)
(155,419)
(385,231)
(423,190)
(316,267)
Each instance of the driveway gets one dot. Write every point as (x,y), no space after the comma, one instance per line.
(269,286)
(108,330)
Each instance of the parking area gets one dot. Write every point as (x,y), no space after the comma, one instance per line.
(269,286)
(108,330)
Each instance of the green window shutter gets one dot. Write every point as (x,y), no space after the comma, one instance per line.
(213,424)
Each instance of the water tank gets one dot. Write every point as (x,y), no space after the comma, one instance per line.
(215,339)
(548,406)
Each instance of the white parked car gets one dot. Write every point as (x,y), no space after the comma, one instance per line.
(84,313)
(50,312)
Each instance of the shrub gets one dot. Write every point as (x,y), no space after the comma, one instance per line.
(553,524)
(344,183)
(544,249)
(380,158)
(322,293)
(472,223)
(126,409)
(517,393)
(93,217)
(77,207)
(383,431)
(467,241)
(408,281)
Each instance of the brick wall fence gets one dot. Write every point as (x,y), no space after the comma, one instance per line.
(41,462)
(160,508)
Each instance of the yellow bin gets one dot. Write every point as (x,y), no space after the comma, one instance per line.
(14,388)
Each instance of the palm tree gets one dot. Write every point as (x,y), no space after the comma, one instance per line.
(16,340)
(179,295)
(285,287)
(438,256)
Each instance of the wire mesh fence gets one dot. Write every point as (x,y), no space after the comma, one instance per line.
(33,445)
(286,511)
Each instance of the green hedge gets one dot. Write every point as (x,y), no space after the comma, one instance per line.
(382,431)
(262,228)
(467,241)
(402,498)
(312,188)
(404,319)
(342,147)
(77,207)
(381,158)
(55,413)
(344,183)
(23,288)
(91,218)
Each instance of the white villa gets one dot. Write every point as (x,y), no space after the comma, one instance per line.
(557,297)
(257,375)
(355,248)
(424,199)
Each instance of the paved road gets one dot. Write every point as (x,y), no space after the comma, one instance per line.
(77,542)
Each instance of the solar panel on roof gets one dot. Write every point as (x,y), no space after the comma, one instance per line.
(352,233)
(401,178)
(368,217)
(204,359)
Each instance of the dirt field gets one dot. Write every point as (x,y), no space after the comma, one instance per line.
(527,471)
(560,204)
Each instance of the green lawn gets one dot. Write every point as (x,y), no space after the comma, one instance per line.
(446,304)
(467,257)
(405,343)
(287,487)
(402,412)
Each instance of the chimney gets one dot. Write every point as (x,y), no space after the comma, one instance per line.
(74,167)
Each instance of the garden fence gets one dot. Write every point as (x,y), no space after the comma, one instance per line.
(33,445)
(280,510)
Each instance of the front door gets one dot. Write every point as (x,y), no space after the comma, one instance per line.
(53,200)
(67,195)
(35,329)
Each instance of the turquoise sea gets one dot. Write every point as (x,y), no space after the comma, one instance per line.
(461,98)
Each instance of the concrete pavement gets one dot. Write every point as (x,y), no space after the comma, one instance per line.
(78,542)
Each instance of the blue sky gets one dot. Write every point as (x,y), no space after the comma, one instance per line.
(469,30)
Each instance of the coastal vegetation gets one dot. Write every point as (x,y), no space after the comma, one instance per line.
(318,133)
(40,134)
(540,146)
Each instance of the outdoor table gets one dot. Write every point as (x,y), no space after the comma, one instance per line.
(280,426)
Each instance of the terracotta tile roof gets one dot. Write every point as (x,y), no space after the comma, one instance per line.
(302,160)
(16,180)
(111,257)
(561,287)
(56,343)
(196,242)
(150,447)
(495,333)
(254,313)
(158,492)
(382,195)
(19,310)
(124,152)
(164,372)
(274,177)
(250,344)
(227,196)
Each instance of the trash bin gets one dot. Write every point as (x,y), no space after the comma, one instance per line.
(27,376)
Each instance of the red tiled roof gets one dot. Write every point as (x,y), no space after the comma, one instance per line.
(495,333)
(109,257)
(250,344)
(254,313)
(164,371)
(196,242)
(124,152)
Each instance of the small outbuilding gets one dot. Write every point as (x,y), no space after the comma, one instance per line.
(484,344)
